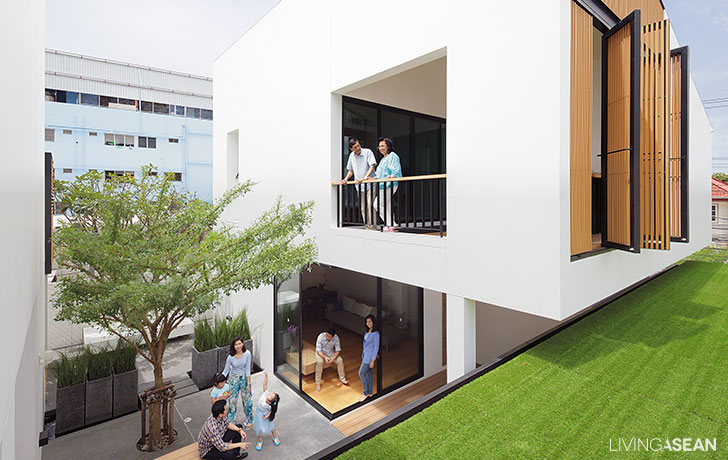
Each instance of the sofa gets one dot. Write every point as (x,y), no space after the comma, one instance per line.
(350,315)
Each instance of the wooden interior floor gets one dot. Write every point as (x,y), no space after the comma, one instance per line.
(398,363)
(596,241)
(377,410)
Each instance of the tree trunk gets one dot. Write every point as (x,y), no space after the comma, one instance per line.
(155,408)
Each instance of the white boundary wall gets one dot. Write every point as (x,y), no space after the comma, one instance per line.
(22,278)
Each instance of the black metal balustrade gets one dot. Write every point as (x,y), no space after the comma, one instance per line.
(417,206)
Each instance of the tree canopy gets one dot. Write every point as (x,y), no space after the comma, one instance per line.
(142,255)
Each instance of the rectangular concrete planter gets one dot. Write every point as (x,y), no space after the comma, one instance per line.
(222,354)
(99,400)
(204,366)
(126,393)
(70,413)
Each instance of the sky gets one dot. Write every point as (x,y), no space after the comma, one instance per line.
(703,26)
(187,36)
(181,35)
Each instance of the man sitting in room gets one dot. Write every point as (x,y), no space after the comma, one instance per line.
(328,349)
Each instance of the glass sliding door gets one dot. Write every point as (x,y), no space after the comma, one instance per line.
(401,333)
(288,329)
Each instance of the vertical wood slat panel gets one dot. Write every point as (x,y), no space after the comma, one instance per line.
(675,146)
(618,146)
(654,137)
(652,10)
(581,129)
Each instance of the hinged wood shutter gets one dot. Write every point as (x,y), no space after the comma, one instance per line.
(580,171)
(654,136)
(620,134)
(678,164)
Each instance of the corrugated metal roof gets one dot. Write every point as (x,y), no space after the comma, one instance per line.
(73,72)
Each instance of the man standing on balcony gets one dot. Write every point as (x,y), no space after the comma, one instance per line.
(361,164)
(328,349)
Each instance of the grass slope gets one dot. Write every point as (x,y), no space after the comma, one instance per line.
(650,365)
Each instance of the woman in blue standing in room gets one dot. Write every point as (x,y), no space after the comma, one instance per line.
(237,371)
(369,357)
(389,167)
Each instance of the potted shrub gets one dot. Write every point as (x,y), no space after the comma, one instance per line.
(224,334)
(204,355)
(125,379)
(99,386)
(241,328)
(70,394)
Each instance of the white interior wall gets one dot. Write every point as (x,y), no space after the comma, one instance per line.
(499,330)
(22,282)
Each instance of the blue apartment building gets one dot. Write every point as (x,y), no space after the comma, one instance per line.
(116,117)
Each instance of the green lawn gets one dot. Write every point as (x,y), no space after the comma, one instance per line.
(653,364)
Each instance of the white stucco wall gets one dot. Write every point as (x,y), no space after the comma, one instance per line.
(22,278)
(508,124)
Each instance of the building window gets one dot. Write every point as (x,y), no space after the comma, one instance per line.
(147,106)
(206,114)
(89,99)
(127,104)
(108,139)
(173,140)
(67,131)
(714,213)
(129,141)
(104,101)
(179,110)
(109,174)
(71,97)
(193,112)
(67,171)
(50,95)
(173,176)
(93,133)
(152,173)
(147,142)
(119,140)
(160,108)
(50,135)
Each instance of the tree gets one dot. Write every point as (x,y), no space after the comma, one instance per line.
(142,256)
(723,177)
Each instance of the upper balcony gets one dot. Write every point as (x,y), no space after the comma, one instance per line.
(413,204)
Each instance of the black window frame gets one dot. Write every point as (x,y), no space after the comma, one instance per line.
(684,52)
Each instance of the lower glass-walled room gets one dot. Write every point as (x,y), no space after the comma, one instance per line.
(311,303)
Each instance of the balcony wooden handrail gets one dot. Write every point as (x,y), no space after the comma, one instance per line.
(396,179)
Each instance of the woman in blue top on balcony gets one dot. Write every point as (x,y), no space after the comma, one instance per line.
(388,168)
(237,370)
(369,357)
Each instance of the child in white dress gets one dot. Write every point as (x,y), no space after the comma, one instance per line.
(265,414)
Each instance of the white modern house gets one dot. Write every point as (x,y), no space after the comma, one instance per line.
(552,160)
(22,274)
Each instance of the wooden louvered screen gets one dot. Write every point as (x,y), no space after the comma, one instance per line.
(652,10)
(620,135)
(654,139)
(582,51)
(678,163)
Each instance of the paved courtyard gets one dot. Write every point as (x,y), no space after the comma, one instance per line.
(302,430)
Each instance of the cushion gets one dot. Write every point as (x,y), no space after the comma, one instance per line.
(368,310)
(357,308)
(347,303)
